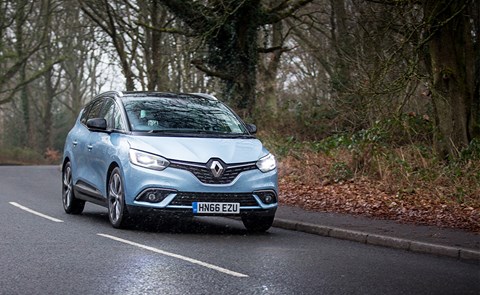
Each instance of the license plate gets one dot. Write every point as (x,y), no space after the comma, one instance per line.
(216,208)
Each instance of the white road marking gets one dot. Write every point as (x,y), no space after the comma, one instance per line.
(188,259)
(35,212)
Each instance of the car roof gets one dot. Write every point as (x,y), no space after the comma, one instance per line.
(163,94)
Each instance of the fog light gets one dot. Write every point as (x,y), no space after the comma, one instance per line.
(267,197)
(153,195)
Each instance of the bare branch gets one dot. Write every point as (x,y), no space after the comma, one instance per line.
(194,14)
(276,15)
(165,30)
(274,49)
(199,64)
(17,87)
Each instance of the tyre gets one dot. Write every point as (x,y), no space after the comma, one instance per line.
(257,223)
(117,211)
(71,205)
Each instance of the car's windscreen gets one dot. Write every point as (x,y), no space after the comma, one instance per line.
(184,114)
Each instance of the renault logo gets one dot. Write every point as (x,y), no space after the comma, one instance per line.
(217,168)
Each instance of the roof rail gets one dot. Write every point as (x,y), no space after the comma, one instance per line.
(119,93)
(205,95)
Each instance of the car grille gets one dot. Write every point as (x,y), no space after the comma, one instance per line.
(186,199)
(205,175)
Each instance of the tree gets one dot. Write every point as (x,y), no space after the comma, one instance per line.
(453,29)
(274,38)
(229,30)
(82,69)
(111,17)
(376,53)
(17,45)
(353,63)
(150,52)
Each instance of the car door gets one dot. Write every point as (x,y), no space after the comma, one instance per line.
(102,149)
(80,141)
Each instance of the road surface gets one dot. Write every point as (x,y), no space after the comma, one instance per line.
(45,251)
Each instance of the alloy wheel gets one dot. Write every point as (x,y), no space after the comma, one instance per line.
(67,187)
(71,205)
(116,200)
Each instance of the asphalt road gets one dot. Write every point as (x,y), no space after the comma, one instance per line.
(85,255)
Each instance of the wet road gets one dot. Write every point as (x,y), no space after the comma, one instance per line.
(45,251)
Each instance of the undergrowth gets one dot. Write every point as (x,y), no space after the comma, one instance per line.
(396,153)
(27,156)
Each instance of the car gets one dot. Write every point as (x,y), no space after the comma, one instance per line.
(153,153)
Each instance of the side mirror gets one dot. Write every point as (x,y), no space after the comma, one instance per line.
(251,128)
(97,124)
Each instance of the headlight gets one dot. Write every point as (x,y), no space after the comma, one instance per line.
(148,160)
(267,163)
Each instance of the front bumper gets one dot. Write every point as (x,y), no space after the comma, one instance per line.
(179,188)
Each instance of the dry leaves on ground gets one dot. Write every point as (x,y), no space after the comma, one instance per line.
(312,190)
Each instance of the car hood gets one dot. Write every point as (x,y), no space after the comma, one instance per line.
(193,149)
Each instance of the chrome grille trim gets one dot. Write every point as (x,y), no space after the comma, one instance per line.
(203,173)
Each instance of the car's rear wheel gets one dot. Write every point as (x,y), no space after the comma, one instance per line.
(117,211)
(71,205)
(257,223)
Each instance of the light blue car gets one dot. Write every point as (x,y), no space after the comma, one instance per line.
(148,152)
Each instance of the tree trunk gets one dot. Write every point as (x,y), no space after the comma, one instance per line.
(450,48)
(474,12)
(230,33)
(47,111)
(27,136)
(342,45)
(268,102)
(234,52)
(153,14)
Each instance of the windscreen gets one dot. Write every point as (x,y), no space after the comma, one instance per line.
(181,114)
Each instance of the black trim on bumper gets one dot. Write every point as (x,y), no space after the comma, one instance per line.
(139,210)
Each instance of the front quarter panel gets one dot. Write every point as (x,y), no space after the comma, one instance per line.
(108,150)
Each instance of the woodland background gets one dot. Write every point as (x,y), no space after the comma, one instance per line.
(371,106)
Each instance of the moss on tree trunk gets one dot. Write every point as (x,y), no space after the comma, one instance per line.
(450,48)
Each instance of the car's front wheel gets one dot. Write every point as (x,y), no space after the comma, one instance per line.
(257,223)
(117,211)
(71,205)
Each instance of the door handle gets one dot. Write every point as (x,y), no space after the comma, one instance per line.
(89,147)
(75,143)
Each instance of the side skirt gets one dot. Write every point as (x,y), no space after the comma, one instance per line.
(85,192)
